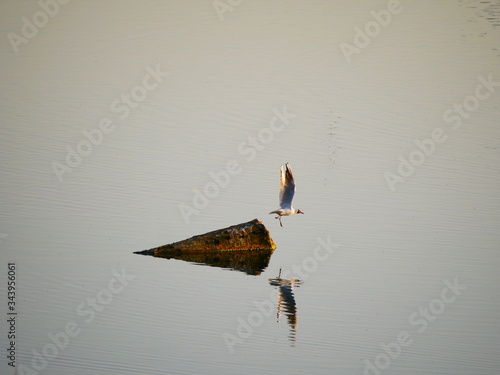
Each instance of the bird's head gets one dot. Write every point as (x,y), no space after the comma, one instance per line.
(299,212)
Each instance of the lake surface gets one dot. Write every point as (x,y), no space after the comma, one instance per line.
(115,118)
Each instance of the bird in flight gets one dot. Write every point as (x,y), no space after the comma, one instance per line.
(287,190)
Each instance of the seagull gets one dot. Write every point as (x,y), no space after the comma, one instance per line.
(287,190)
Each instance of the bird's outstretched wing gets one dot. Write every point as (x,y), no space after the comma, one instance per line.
(287,187)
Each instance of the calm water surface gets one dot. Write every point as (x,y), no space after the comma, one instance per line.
(411,283)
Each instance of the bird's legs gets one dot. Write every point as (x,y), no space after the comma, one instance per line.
(279,217)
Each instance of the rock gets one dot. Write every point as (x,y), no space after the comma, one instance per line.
(252,235)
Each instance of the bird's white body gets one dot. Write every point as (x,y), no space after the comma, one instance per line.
(287,191)
(285,212)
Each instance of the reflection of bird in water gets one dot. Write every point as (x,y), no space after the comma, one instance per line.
(287,190)
(286,303)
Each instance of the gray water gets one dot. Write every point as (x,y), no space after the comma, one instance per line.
(395,151)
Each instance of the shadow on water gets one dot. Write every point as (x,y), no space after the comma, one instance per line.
(286,305)
(252,262)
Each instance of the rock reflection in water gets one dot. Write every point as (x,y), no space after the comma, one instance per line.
(286,304)
(252,262)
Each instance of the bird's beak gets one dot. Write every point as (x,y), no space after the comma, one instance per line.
(299,212)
